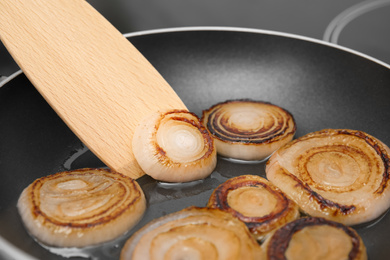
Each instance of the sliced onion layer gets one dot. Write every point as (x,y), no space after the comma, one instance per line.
(81,208)
(193,233)
(255,201)
(247,129)
(316,239)
(339,174)
(174,147)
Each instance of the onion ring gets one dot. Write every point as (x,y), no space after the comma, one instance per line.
(81,207)
(200,233)
(255,201)
(248,130)
(339,174)
(174,147)
(315,238)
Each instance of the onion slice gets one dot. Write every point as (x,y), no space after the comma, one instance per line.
(81,207)
(255,201)
(339,174)
(193,233)
(248,130)
(174,147)
(315,238)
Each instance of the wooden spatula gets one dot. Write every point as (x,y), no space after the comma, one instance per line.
(91,75)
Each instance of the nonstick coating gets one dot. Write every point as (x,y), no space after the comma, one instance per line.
(322,85)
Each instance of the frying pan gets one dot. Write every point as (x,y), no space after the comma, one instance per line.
(321,84)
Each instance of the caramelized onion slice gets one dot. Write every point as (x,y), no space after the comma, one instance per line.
(174,147)
(315,238)
(255,201)
(338,174)
(193,233)
(247,129)
(81,207)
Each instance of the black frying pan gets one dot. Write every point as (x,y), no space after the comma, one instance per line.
(322,85)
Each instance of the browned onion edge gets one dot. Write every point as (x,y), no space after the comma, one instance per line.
(280,240)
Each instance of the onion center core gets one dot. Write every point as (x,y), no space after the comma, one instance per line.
(181,142)
(245,121)
(72,185)
(333,168)
(319,242)
(258,201)
(192,249)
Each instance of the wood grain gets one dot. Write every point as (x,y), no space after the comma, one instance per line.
(91,75)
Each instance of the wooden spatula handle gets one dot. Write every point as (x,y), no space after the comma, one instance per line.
(91,75)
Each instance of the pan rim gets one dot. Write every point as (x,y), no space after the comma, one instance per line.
(256,31)
(234,29)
